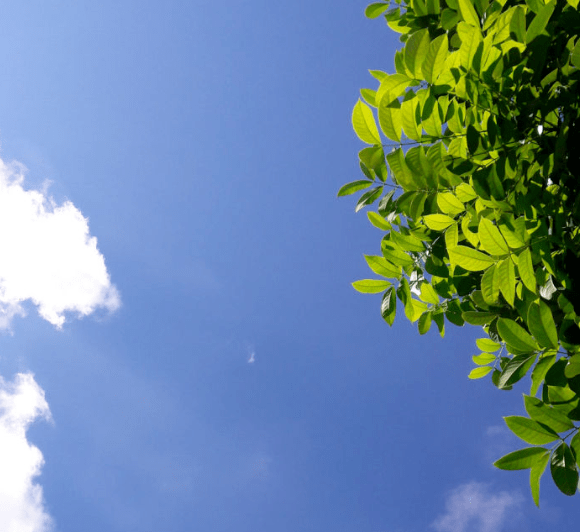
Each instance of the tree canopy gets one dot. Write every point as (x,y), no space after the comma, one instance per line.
(472,168)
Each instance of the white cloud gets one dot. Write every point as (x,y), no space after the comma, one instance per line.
(22,508)
(473,507)
(252,358)
(47,255)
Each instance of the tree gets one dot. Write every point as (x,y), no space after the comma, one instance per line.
(479,198)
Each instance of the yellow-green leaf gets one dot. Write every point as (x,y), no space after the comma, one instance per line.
(449,204)
(506,279)
(435,60)
(491,239)
(530,431)
(536,473)
(478,373)
(428,294)
(363,122)
(416,50)
(468,13)
(382,266)
(371,286)
(470,259)
(483,359)
(487,344)
(390,119)
(378,221)
(526,270)
(438,222)
(490,285)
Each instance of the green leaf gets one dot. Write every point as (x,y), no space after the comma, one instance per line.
(353,187)
(478,373)
(572,369)
(468,13)
(378,221)
(514,335)
(470,259)
(411,125)
(465,193)
(542,413)
(381,266)
(490,285)
(449,204)
(478,318)
(363,122)
(407,242)
(376,9)
(424,323)
(540,21)
(515,370)
(506,279)
(526,270)
(542,326)
(435,60)
(536,473)
(392,86)
(368,198)
(389,306)
(371,286)
(416,51)
(575,446)
(390,119)
(522,459)
(575,55)
(530,431)
(518,24)
(483,359)
(539,373)
(428,294)
(564,470)
(491,239)
(438,222)
(486,344)
(451,236)
(395,255)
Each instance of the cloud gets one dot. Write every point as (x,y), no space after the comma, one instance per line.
(22,509)
(47,255)
(473,507)
(252,358)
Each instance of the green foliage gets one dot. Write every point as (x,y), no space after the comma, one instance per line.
(472,167)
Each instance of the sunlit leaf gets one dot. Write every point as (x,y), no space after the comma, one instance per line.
(478,373)
(364,124)
(536,473)
(522,459)
(541,325)
(381,266)
(353,187)
(376,9)
(470,259)
(513,334)
(371,286)
(530,431)
(543,413)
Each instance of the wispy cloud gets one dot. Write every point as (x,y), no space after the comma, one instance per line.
(22,507)
(47,255)
(473,507)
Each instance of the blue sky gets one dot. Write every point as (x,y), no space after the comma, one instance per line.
(205,364)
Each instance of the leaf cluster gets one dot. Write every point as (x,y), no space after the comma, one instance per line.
(472,165)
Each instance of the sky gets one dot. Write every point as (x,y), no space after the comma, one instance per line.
(181,348)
